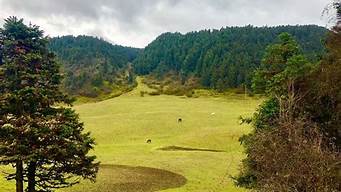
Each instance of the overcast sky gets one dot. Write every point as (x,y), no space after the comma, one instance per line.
(138,22)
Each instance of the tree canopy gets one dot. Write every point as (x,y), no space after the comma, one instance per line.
(91,65)
(223,58)
(40,137)
(297,126)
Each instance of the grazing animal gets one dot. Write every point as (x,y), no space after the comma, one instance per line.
(213,113)
(179,120)
(149,141)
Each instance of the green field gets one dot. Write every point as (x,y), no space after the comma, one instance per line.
(198,154)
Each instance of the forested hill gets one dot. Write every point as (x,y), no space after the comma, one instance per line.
(222,58)
(92,66)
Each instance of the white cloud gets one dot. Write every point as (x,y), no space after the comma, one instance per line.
(138,22)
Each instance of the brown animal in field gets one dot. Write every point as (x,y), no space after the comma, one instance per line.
(149,141)
(179,120)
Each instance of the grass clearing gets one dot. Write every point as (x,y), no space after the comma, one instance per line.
(122,126)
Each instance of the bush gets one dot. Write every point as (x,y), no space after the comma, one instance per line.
(291,158)
(154,93)
(294,145)
(189,93)
(116,94)
(239,90)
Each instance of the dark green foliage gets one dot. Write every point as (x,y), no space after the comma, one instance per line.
(44,142)
(282,65)
(295,128)
(266,115)
(92,66)
(223,58)
(325,83)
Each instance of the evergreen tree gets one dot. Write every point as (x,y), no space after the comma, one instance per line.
(224,58)
(43,140)
(297,127)
(294,129)
(326,81)
(92,66)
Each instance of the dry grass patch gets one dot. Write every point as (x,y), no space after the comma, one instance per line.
(118,178)
(177,148)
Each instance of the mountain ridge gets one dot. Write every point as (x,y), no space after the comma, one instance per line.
(93,66)
(224,58)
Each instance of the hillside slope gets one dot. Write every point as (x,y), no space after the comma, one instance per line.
(93,66)
(222,58)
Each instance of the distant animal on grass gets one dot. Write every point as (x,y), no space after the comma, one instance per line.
(213,113)
(149,141)
(179,120)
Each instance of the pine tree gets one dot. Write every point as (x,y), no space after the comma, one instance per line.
(297,126)
(227,57)
(43,140)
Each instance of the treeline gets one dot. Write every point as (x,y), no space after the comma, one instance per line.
(92,66)
(223,58)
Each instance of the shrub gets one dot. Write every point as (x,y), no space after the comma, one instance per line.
(291,158)
(154,93)
(189,93)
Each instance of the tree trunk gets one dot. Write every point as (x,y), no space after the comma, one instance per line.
(31,176)
(19,176)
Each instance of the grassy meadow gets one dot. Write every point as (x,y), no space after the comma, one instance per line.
(198,154)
